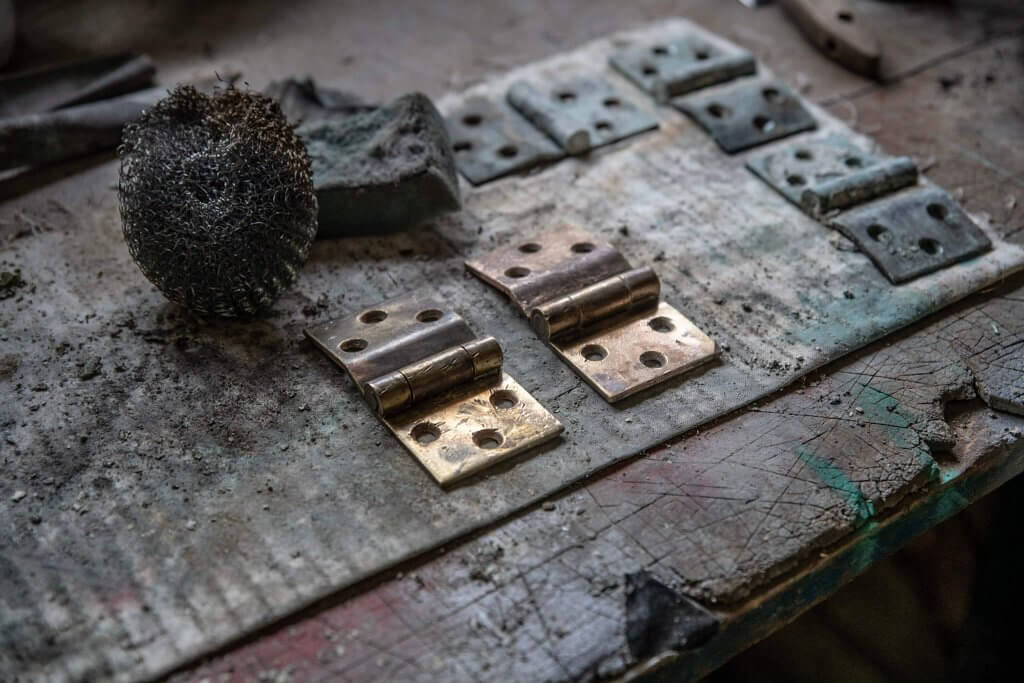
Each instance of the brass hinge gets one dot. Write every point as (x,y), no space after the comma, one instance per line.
(440,389)
(602,316)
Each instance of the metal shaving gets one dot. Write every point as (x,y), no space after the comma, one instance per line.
(216,198)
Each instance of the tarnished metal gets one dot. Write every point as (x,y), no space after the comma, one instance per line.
(490,140)
(437,387)
(913,233)
(833,26)
(747,113)
(822,175)
(599,314)
(580,114)
(695,60)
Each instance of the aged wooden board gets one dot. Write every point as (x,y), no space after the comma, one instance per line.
(750,515)
(178,490)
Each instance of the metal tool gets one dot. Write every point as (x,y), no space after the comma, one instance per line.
(438,387)
(601,315)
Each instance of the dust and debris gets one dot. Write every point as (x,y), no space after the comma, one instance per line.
(90,368)
(18,495)
(10,281)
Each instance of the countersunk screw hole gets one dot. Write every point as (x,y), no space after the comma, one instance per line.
(796,180)
(930,246)
(371,317)
(879,233)
(594,352)
(603,126)
(504,399)
(937,211)
(566,96)
(487,438)
(353,345)
(517,272)
(462,146)
(472,119)
(804,155)
(431,315)
(652,359)
(425,432)
(702,54)
(611,102)
(661,324)
(771,94)
(660,50)
(764,124)
(529,248)
(717,110)
(649,70)
(845,16)
(830,44)
(853,162)
(583,247)
(508,151)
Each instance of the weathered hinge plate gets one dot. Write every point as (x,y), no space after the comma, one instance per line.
(600,315)
(913,233)
(438,388)
(491,140)
(822,175)
(747,113)
(580,114)
(694,60)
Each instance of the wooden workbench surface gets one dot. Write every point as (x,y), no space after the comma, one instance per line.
(772,509)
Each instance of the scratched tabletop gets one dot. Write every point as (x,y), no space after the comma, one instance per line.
(714,539)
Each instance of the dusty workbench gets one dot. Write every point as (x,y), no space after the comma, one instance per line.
(737,515)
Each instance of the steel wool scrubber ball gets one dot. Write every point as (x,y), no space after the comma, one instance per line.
(217,199)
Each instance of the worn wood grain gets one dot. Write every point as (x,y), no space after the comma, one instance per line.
(140,469)
(761,516)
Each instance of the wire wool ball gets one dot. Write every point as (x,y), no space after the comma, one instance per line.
(217,200)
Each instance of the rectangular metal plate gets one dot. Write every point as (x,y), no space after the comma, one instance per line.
(590,104)
(555,264)
(694,60)
(823,174)
(747,113)
(913,233)
(391,335)
(464,432)
(454,434)
(563,261)
(637,353)
(491,140)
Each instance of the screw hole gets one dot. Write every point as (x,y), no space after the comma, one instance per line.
(796,180)
(830,44)
(845,16)
(937,211)
(702,54)
(566,96)
(353,345)
(508,151)
(583,247)
(472,119)
(879,233)
(652,359)
(611,102)
(529,248)
(930,246)
(660,50)
(517,272)
(717,110)
(771,95)
(603,126)
(487,438)
(661,324)
(425,432)
(462,146)
(504,399)
(764,124)
(431,315)
(649,70)
(804,155)
(594,352)
(853,162)
(371,317)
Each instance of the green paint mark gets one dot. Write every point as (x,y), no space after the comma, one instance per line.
(834,478)
(882,409)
